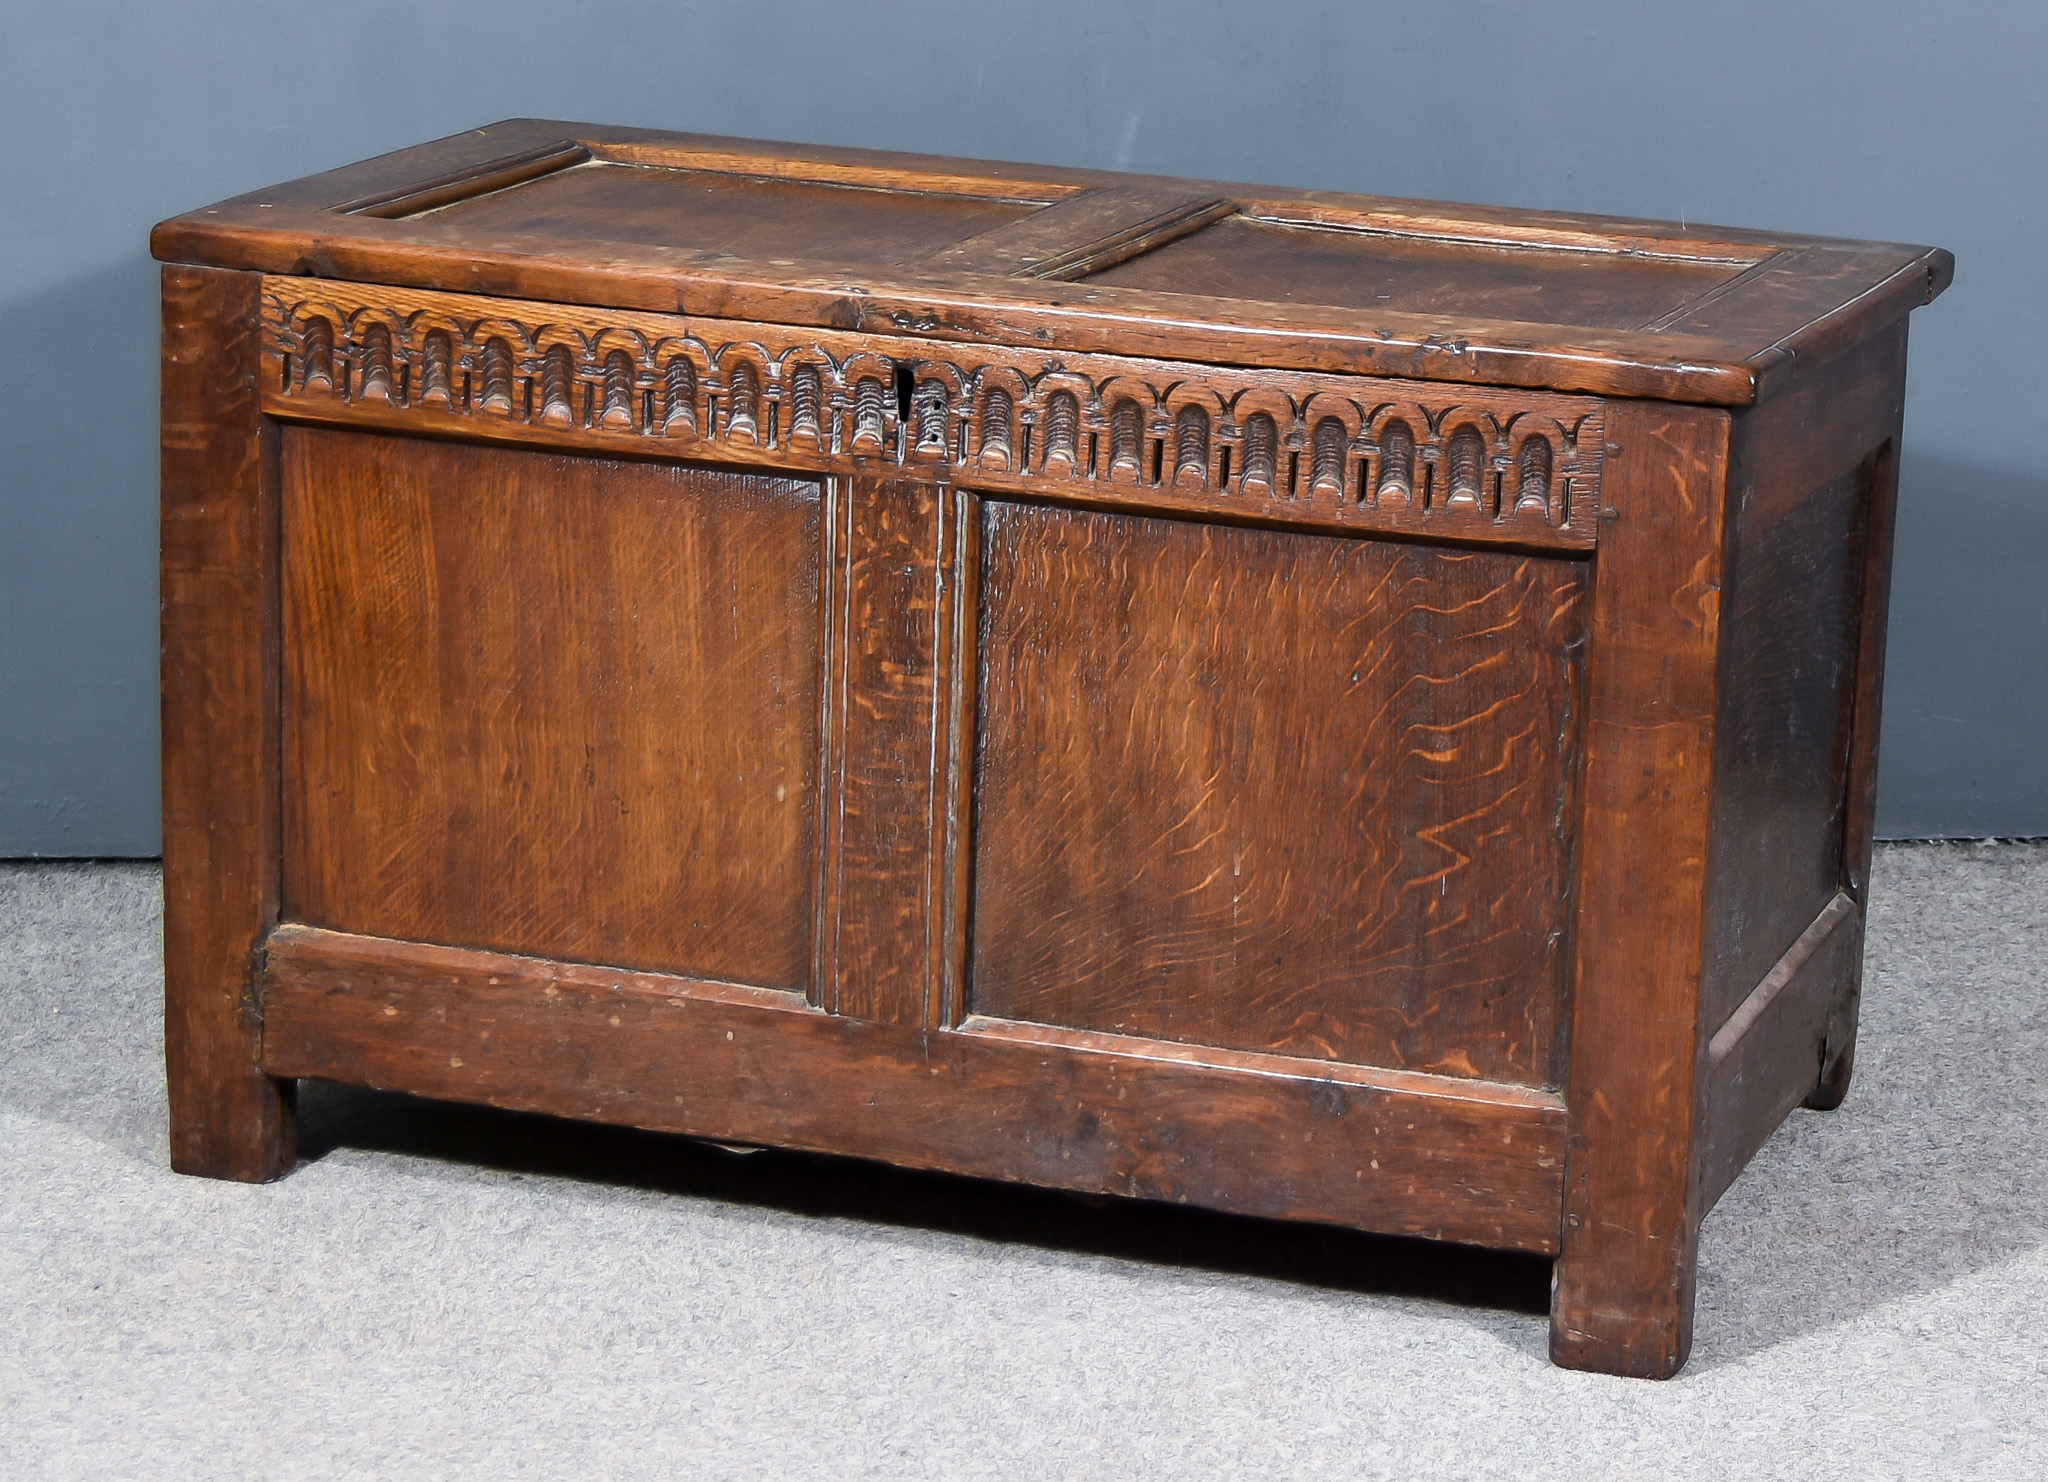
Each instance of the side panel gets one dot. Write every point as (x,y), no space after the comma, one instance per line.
(1815,476)
(1805,480)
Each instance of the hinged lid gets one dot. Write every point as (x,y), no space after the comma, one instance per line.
(1076,260)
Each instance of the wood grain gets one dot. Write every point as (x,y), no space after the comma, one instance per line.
(1274,791)
(553,705)
(1413,1155)
(1623,1298)
(228,1119)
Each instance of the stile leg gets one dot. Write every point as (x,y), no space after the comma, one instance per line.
(228,1119)
(1622,1294)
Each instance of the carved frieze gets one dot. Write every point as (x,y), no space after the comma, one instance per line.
(1329,451)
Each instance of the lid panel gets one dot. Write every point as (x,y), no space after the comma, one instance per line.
(711,211)
(1076,261)
(1276,262)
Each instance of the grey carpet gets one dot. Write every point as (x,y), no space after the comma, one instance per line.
(448,1292)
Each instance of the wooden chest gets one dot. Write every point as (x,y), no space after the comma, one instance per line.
(1317,706)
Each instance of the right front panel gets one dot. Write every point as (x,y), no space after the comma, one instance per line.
(1274,791)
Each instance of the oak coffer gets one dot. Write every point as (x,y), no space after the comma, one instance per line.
(1310,705)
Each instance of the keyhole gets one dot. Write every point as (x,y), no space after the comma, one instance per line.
(906,384)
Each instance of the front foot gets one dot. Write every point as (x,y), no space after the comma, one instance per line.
(1621,1305)
(237,1126)
(1630,1347)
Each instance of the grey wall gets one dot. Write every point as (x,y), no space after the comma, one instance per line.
(1863,118)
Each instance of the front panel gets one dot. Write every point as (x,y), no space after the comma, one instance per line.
(1273,791)
(942,734)
(554,705)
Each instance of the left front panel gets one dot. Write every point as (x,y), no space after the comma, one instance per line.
(551,704)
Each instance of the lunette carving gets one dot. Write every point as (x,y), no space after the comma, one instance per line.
(1297,448)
